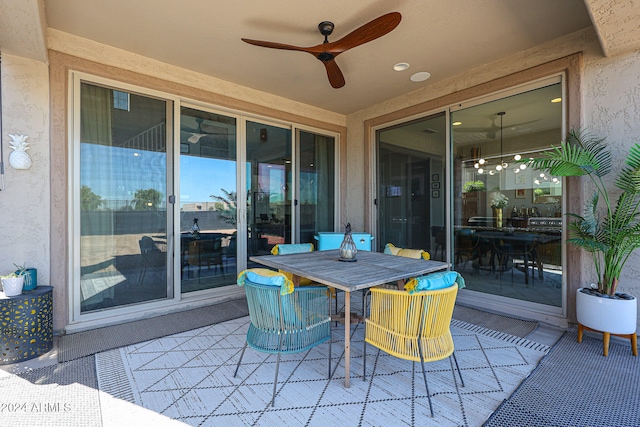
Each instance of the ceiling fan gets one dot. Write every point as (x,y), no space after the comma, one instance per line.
(491,130)
(201,131)
(327,51)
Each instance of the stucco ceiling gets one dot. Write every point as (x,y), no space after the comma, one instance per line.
(443,37)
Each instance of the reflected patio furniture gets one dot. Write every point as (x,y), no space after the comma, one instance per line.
(412,326)
(286,324)
(205,252)
(230,251)
(517,245)
(151,255)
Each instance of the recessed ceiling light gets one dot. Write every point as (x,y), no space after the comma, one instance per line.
(420,77)
(401,66)
(554,100)
(457,123)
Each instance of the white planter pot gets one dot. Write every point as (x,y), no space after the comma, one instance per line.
(12,286)
(616,316)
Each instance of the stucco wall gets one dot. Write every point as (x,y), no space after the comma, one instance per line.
(611,99)
(24,203)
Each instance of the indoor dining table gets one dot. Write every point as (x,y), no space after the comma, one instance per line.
(527,243)
(370,269)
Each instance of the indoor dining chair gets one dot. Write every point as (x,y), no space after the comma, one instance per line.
(412,326)
(284,319)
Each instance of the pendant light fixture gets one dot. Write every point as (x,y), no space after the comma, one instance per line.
(502,164)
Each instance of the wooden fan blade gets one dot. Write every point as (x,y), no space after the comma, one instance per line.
(366,33)
(335,75)
(274,45)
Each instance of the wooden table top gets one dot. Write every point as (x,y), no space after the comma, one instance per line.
(370,269)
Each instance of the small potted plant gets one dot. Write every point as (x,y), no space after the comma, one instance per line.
(12,283)
(30,276)
(609,233)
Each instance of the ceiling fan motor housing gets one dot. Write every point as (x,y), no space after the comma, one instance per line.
(326,28)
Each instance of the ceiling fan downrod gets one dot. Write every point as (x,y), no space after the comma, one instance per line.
(326,28)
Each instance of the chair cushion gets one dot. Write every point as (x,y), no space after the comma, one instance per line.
(291,248)
(432,281)
(263,276)
(407,253)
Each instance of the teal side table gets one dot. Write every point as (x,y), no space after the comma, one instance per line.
(26,325)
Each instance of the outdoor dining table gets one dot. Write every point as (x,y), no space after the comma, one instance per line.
(370,269)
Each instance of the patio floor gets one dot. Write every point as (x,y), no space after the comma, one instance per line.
(187,379)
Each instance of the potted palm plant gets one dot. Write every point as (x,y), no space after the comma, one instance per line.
(609,232)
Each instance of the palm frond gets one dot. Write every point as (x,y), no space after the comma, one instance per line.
(596,151)
(629,178)
(578,155)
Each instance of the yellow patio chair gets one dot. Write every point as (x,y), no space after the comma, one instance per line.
(412,326)
(391,249)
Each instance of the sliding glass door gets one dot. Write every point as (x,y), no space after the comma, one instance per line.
(208,218)
(269,187)
(411,193)
(123,193)
(171,199)
(507,236)
(289,197)
(316,178)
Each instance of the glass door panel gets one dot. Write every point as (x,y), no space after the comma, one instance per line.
(508,217)
(316,180)
(269,188)
(410,199)
(123,198)
(208,220)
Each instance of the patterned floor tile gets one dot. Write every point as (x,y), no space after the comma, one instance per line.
(189,377)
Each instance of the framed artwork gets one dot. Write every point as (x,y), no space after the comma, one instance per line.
(184,148)
(520,193)
(435,193)
(435,185)
(435,177)
(520,178)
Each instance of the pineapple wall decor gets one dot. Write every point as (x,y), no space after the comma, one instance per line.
(19,159)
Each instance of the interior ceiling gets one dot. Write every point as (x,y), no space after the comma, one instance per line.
(444,37)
